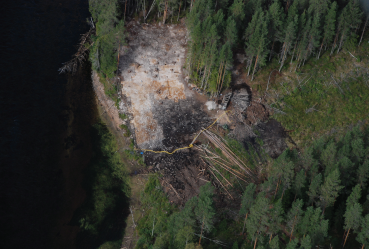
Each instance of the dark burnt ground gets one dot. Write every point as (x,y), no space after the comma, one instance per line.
(255,122)
(183,172)
(273,135)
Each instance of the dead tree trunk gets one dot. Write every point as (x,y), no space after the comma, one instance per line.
(362,34)
(202,226)
(179,11)
(320,50)
(165,11)
(334,43)
(256,62)
(346,237)
(125,9)
(224,72)
(271,51)
(341,42)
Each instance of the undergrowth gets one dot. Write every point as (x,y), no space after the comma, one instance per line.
(101,217)
(322,96)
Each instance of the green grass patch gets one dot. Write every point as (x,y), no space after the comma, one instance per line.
(127,132)
(332,92)
(123,116)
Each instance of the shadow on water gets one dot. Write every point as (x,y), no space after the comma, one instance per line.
(47,141)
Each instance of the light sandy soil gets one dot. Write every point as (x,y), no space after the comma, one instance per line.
(151,69)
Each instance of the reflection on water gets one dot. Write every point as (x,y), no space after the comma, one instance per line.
(43,119)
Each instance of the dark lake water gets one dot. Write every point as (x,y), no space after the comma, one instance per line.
(44,115)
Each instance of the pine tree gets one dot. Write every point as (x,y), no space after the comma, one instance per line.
(315,34)
(294,216)
(248,199)
(352,218)
(330,188)
(328,157)
(354,196)
(261,49)
(346,166)
(235,245)
(230,32)
(363,174)
(204,210)
(329,26)
(274,243)
(276,219)
(318,227)
(315,187)
(363,235)
(299,183)
(258,220)
(237,10)
(276,23)
(306,242)
(184,236)
(350,19)
(292,244)
(283,170)
(249,41)
(288,40)
(358,149)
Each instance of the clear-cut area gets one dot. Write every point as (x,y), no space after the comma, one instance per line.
(160,105)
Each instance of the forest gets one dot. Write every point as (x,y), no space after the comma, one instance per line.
(315,196)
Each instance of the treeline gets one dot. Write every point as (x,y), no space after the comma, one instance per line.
(110,33)
(102,215)
(315,198)
(293,29)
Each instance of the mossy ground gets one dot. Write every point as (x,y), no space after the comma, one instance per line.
(323,96)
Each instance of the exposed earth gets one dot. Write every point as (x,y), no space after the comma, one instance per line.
(166,112)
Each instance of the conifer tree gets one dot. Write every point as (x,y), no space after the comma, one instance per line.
(256,39)
(315,187)
(248,199)
(299,182)
(276,23)
(274,243)
(306,242)
(294,216)
(276,219)
(317,227)
(258,220)
(315,34)
(363,235)
(261,49)
(204,210)
(358,149)
(330,188)
(237,10)
(329,26)
(328,157)
(292,244)
(350,19)
(230,32)
(288,40)
(363,174)
(283,170)
(354,196)
(352,218)
(184,236)
(249,41)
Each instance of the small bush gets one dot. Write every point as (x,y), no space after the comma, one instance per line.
(127,132)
